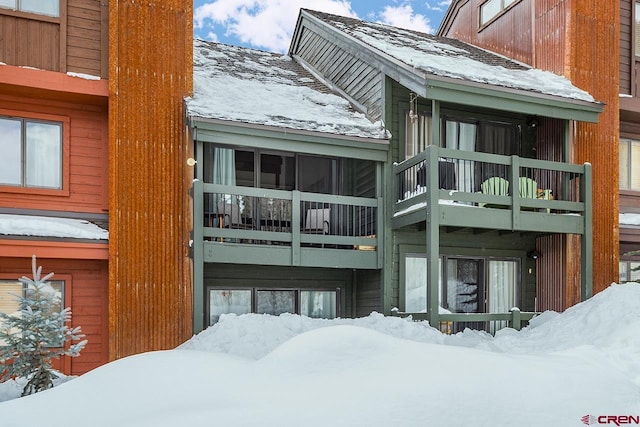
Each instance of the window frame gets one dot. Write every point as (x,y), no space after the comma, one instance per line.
(254,297)
(66,286)
(629,152)
(502,10)
(19,12)
(420,251)
(29,117)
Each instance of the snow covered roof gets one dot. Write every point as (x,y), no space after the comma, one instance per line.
(433,55)
(251,86)
(41,226)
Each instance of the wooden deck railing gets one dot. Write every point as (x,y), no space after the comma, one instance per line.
(257,216)
(488,180)
(452,323)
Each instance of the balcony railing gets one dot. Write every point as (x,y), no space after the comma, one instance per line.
(294,219)
(491,322)
(470,179)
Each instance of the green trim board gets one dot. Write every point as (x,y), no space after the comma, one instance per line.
(258,136)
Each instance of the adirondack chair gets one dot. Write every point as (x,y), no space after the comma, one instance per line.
(528,189)
(495,186)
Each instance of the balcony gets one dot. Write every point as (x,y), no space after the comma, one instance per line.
(246,225)
(487,191)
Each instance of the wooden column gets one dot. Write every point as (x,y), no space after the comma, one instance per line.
(150,71)
(593,64)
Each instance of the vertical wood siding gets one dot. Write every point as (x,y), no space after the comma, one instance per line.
(150,297)
(626,46)
(594,66)
(88,295)
(510,35)
(356,78)
(88,162)
(26,42)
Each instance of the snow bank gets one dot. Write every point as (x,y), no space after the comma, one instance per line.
(27,225)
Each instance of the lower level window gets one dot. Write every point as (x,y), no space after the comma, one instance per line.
(466,285)
(12,290)
(629,271)
(311,303)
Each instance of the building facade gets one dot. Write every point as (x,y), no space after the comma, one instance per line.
(581,41)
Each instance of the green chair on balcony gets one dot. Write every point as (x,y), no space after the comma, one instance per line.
(495,186)
(528,189)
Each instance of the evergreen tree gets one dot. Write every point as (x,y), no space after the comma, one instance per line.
(36,334)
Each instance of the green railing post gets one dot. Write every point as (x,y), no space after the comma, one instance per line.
(433,236)
(516,318)
(198,256)
(295,227)
(586,243)
(515,192)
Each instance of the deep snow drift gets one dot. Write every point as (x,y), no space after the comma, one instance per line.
(375,371)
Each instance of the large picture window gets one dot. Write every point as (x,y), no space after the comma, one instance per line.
(32,153)
(41,7)
(315,303)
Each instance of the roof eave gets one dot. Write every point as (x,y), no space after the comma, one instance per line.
(208,123)
(511,99)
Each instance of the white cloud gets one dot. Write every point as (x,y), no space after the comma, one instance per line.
(403,17)
(267,24)
(439,6)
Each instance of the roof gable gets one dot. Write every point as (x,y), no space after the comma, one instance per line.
(430,56)
(250,86)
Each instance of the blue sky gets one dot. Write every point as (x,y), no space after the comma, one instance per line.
(268,24)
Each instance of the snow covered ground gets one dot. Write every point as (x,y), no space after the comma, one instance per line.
(375,371)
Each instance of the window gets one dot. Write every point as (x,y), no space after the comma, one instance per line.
(629,271)
(417,134)
(11,290)
(491,8)
(629,157)
(322,303)
(32,153)
(41,7)
(466,285)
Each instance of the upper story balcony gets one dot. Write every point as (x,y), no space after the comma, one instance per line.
(488,191)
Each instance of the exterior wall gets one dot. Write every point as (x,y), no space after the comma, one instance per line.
(367,295)
(510,34)
(150,298)
(566,35)
(86,285)
(85,157)
(76,41)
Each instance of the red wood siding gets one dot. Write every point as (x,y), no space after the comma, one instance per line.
(150,291)
(87,157)
(86,286)
(510,34)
